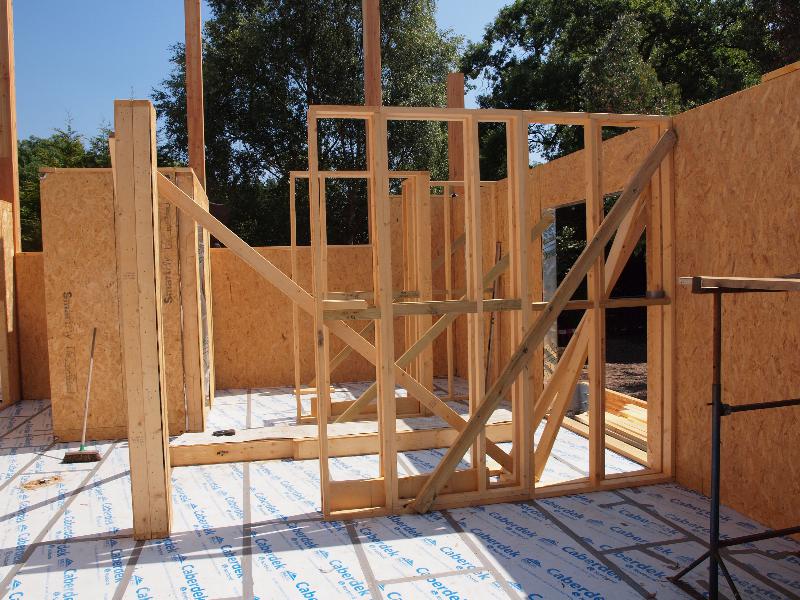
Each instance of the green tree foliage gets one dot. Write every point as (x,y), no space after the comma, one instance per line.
(65,149)
(627,56)
(616,78)
(265,61)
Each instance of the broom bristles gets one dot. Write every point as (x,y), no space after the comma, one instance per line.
(82,456)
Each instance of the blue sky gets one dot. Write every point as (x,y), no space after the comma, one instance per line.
(73,57)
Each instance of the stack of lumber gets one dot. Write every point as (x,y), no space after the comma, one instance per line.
(626,419)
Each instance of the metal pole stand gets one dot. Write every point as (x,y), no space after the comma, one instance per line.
(718,410)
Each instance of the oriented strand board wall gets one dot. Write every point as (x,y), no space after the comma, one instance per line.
(81,293)
(253,320)
(32,322)
(737,208)
(80,282)
(562,181)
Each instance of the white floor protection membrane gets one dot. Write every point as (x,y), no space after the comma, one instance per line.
(253,530)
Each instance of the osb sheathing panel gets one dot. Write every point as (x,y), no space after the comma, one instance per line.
(9,348)
(253,320)
(171,313)
(80,283)
(736,213)
(32,323)
(563,181)
(80,293)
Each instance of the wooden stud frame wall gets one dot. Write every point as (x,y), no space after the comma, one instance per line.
(445,486)
(389,493)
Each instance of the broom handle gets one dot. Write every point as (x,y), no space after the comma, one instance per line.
(88,389)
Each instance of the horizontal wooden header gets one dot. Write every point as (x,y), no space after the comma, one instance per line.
(490,115)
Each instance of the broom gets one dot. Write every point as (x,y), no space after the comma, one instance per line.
(83,455)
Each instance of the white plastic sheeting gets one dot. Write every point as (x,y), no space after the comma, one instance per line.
(254,530)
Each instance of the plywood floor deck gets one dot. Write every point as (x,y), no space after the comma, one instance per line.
(254,531)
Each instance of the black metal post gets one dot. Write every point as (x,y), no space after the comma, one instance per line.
(719,410)
(716,426)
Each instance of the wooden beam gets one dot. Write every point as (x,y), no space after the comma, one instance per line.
(780,72)
(378,159)
(520,283)
(463,307)
(319,280)
(263,444)
(654,244)
(473,260)
(195,118)
(9,173)
(753,284)
(189,241)
(9,201)
(455,160)
(544,321)
(668,315)
(424,274)
(371,15)
(593,155)
(136,212)
(295,310)
(9,334)
(455,130)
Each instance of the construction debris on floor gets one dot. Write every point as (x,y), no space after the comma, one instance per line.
(253,530)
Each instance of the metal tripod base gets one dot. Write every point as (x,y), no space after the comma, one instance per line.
(716,559)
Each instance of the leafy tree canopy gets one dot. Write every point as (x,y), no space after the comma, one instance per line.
(627,55)
(265,61)
(65,148)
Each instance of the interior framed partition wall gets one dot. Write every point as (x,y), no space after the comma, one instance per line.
(515,472)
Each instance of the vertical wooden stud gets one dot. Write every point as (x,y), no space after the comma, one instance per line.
(207,305)
(9,198)
(520,287)
(455,159)
(9,174)
(474,262)
(384,331)
(321,333)
(655,315)
(189,239)
(9,349)
(448,283)
(371,14)
(668,312)
(295,308)
(422,254)
(596,294)
(455,129)
(136,222)
(195,119)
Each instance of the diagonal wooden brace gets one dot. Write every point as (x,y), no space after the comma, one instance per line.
(535,334)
